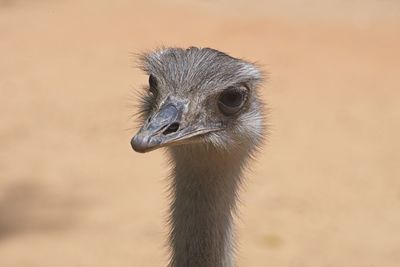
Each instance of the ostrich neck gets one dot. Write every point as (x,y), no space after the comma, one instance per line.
(205,187)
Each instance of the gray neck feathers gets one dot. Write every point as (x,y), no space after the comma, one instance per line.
(205,186)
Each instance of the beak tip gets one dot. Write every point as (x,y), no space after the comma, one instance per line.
(138,144)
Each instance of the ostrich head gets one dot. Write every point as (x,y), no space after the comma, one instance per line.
(199,96)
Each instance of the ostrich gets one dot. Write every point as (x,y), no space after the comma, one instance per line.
(203,105)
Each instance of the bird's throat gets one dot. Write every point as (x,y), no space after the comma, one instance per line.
(205,186)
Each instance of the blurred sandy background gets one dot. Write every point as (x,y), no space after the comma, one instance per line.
(324,192)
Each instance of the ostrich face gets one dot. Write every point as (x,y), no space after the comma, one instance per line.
(198,96)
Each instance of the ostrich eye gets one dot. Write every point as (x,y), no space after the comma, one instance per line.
(231,100)
(153,84)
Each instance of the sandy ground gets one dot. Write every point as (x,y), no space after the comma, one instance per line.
(325,190)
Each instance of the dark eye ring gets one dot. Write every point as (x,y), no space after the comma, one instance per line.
(153,84)
(232,99)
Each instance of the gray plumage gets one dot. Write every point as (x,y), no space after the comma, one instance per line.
(202,105)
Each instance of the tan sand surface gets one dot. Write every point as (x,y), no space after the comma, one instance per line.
(325,191)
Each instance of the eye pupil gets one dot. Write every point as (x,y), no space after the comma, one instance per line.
(232,100)
(153,85)
(152,82)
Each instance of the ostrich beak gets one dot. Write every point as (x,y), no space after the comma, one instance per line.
(164,128)
(157,127)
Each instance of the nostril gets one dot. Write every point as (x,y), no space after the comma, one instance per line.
(172,128)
